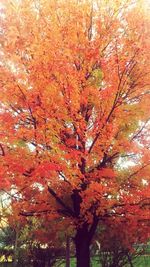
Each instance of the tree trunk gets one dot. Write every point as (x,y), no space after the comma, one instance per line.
(82,245)
(67,251)
(83,254)
(16,248)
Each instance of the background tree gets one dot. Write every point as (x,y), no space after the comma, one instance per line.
(31,241)
(75,108)
(122,242)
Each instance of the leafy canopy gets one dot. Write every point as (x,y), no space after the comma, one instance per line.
(74,108)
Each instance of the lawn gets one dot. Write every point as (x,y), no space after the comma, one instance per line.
(141,261)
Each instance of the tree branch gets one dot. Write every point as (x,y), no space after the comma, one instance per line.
(2,150)
(91,24)
(93,227)
(40,213)
(59,201)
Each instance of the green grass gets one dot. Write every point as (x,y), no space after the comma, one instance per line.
(141,261)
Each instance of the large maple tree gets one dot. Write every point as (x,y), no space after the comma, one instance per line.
(75,112)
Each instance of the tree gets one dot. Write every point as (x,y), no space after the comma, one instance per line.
(121,241)
(30,241)
(75,112)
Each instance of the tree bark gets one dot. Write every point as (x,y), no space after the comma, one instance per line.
(67,251)
(16,248)
(82,245)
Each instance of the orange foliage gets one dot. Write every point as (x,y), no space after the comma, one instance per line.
(75,107)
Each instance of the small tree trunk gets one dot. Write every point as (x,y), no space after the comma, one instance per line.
(67,251)
(16,248)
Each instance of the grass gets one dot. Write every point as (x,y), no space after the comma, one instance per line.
(141,261)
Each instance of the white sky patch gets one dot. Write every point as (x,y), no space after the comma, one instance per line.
(39,186)
(31,147)
(5,199)
(125,163)
(88,143)
(144,182)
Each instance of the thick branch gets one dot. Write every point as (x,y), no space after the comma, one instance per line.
(59,201)
(40,213)
(93,227)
